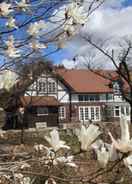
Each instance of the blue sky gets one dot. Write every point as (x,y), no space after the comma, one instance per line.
(111,21)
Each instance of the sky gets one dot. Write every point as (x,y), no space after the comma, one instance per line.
(113,21)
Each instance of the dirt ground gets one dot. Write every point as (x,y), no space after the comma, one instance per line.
(88,166)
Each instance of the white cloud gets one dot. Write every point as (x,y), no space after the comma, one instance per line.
(106,23)
(68,63)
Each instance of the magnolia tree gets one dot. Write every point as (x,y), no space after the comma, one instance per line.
(42,27)
(57,162)
(30,27)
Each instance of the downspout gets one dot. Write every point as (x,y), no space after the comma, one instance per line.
(70,107)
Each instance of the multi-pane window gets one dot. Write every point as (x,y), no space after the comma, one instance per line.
(41,86)
(90,97)
(117,111)
(42,111)
(51,87)
(46,87)
(92,113)
(87,113)
(62,112)
(81,114)
(97,111)
(116,88)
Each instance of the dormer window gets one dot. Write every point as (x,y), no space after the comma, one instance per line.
(41,86)
(51,87)
(116,88)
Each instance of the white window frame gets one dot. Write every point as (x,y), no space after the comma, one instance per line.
(51,87)
(62,112)
(115,108)
(89,97)
(42,114)
(89,112)
(43,89)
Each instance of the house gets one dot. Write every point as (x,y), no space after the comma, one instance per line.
(64,96)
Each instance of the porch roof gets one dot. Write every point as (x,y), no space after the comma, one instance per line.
(39,101)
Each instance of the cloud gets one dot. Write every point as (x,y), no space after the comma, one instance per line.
(111,22)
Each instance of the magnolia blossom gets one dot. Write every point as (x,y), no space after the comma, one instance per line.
(11,51)
(88,135)
(25,165)
(11,23)
(35,28)
(2,134)
(50,181)
(124,144)
(105,152)
(22,5)
(22,179)
(39,147)
(69,28)
(55,142)
(35,45)
(5,9)
(103,156)
(65,160)
(8,79)
(77,14)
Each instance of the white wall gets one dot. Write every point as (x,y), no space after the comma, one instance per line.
(63,95)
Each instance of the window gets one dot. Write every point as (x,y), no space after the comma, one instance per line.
(87,113)
(116,88)
(109,96)
(127,111)
(81,114)
(51,87)
(92,113)
(117,111)
(87,98)
(42,111)
(62,112)
(42,86)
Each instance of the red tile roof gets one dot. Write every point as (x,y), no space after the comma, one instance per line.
(39,101)
(86,81)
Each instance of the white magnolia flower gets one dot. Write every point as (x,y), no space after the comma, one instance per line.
(55,142)
(128,162)
(39,147)
(124,144)
(22,5)
(11,51)
(88,135)
(25,165)
(11,23)
(35,45)
(22,179)
(35,28)
(2,133)
(50,181)
(77,14)
(103,156)
(5,9)
(26,180)
(8,80)
(18,175)
(65,160)
(97,145)
(69,28)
